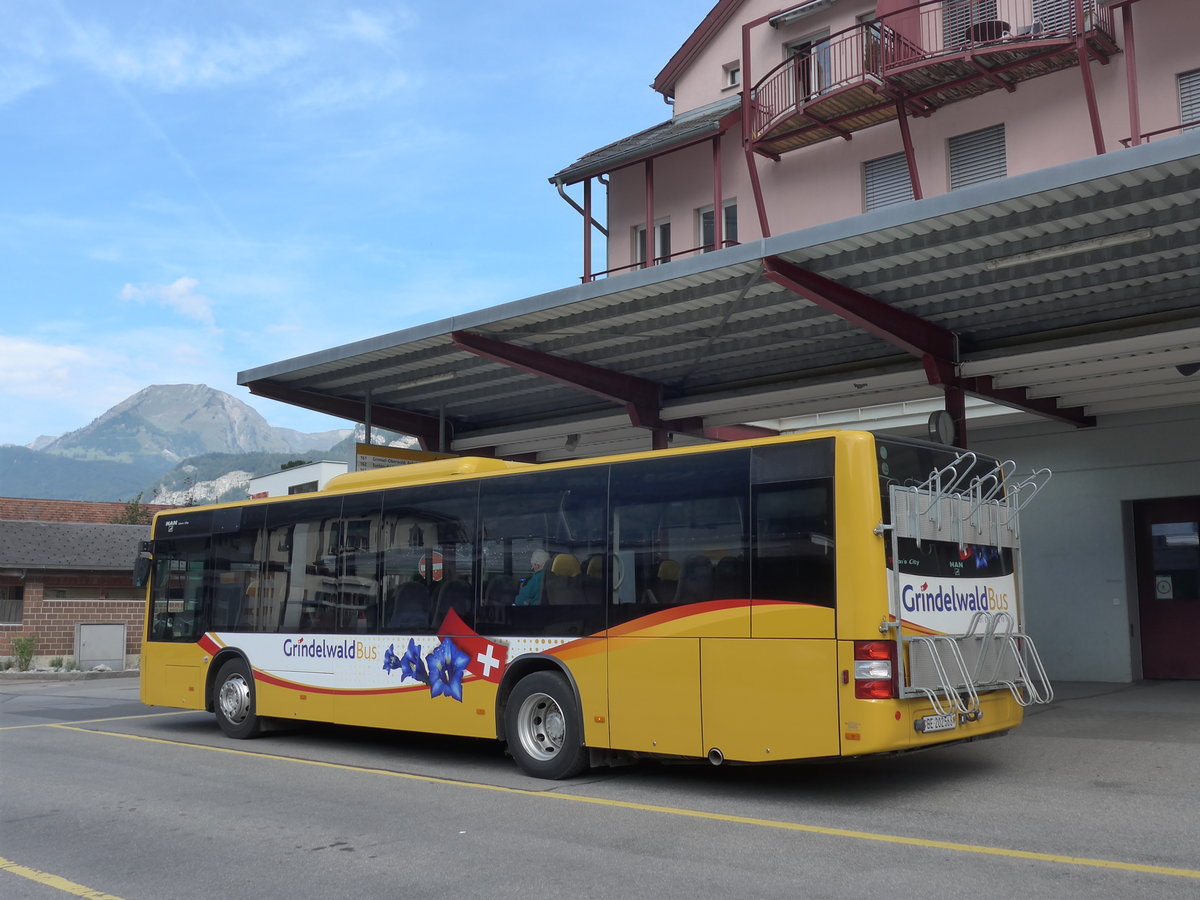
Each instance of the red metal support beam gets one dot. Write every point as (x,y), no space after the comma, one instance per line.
(760,205)
(990,75)
(1131,85)
(426,429)
(650,252)
(587,229)
(718,198)
(910,333)
(1089,86)
(641,398)
(936,347)
(914,177)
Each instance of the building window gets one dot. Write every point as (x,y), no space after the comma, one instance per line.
(731,74)
(977,156)
(1189,98)
(887,181)
(12,604)
(662,243)
(729,232)
(812,65)
(308,487)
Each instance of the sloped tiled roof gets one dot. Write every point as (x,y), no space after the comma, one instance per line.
(683,129)
(70,545)
(27,510)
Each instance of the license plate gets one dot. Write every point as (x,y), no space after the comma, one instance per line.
(943,722)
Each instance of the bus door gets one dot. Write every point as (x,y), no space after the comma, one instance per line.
(790,711)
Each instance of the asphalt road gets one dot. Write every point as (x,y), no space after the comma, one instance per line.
(1096,796)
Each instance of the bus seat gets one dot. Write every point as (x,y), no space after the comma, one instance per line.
(696,582)
(501,590)
(665,583)
(457,594)
(729,580)
(409,607)
(563,584)
(593,580)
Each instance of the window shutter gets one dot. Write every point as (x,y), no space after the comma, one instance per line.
(1189,97)
(978,156)
(959,15)
(887,181)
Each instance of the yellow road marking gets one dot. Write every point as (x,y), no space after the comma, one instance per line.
(54,881)
(691,813)
(173,712)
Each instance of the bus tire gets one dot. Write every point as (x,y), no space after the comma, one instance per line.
(543,727)
(234,704)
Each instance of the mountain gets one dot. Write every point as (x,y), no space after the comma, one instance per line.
(28,473)
(173,439)
(175,421)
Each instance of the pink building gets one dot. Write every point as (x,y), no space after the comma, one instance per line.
(790,117)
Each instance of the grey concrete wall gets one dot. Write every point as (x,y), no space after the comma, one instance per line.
(1080,596)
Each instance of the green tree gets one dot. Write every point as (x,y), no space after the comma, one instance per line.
(134,513)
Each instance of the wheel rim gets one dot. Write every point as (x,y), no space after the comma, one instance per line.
(235,699)
(541,726)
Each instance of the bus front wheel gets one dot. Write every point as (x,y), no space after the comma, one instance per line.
(234,704)
(543,727)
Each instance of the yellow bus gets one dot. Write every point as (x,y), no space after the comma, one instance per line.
(820,595)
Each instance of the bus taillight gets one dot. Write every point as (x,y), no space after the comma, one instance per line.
(875,670)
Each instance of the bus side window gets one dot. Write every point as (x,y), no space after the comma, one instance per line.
(427,557)
(559,517)
(794,551)
(672,525)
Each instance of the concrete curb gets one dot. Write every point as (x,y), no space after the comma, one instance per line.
(11,676)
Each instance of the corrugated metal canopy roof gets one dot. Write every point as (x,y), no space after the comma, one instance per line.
(1075,284)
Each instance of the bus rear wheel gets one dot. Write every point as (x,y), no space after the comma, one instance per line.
(234,704)
(543,727)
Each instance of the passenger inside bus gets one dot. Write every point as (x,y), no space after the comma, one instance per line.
(530,593)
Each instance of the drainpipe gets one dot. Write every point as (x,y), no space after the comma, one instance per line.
(589,221)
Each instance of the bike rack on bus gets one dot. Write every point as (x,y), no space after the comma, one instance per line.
(956,505)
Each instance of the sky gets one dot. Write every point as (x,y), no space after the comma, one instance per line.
(190,190)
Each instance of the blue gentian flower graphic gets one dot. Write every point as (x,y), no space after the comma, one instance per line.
(390,659)
(447,664)
(411,664)
(984,555)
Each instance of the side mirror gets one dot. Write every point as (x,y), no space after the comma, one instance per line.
(141,571)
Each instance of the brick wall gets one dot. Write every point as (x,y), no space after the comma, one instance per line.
(53,621)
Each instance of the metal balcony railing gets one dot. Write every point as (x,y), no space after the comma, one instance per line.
(874,53)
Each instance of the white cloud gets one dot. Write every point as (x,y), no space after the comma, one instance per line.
(173,61)
(369,28)
(340,93)
(36,369)
(18,79)
(180,295)
(176,57)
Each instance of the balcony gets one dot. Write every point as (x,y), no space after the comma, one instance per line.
(920,58)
